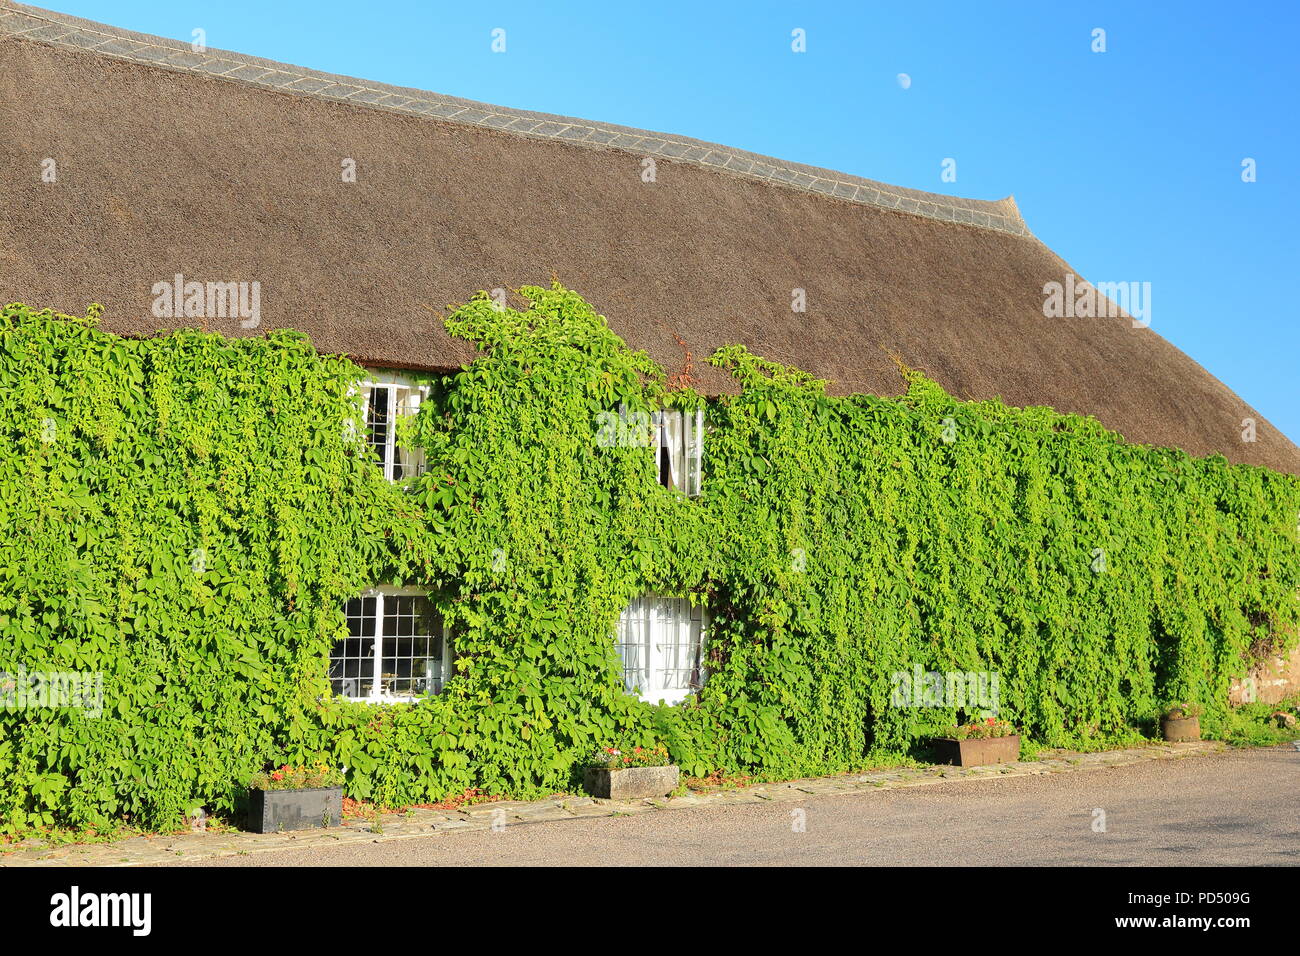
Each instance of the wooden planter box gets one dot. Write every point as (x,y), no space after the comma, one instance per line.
(1180,729)
(977,752)
(631,783)
(271,811)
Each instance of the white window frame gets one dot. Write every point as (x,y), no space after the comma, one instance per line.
(659,629)
(376,695)
(405,395)
(677,438)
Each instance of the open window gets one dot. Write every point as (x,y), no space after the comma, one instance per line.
(397,649)
(677,438)
(661,641)
(387,397)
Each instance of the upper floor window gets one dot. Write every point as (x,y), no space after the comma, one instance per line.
(397,648)
(677,438)
(389,396)
(661,642)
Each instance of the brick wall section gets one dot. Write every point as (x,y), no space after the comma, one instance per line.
(60,30)
(1275,679)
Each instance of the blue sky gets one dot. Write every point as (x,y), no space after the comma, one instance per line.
(1127,163)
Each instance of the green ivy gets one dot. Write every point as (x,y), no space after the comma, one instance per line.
(186,514)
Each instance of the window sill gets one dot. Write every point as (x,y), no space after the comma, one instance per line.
(668,698)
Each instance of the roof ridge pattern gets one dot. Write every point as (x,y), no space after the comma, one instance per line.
(68,32)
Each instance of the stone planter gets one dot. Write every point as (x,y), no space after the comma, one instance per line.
(1180,729)
(631,783)
(271,811)
(977,752)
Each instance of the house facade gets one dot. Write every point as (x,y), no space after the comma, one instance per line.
(771,436)
(398,648)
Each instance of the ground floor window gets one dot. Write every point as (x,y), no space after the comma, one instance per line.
(397,648)
(661,641)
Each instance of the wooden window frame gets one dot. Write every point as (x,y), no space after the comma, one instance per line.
(377,696)
(677,438)
(404,395)
(657,639)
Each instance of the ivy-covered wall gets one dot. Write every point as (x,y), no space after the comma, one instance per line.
(187,514)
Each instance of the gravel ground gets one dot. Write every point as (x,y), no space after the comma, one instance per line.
(1235,808)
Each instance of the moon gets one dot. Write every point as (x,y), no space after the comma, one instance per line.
(904,80)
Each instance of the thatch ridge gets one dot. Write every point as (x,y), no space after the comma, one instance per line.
(62,30)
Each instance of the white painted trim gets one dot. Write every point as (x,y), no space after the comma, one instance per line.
(681,434)
(379,592)
(393,383)
(652,620)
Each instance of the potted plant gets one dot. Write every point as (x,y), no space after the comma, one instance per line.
(982,742)
(1181,722)
(630,774)
(295,798)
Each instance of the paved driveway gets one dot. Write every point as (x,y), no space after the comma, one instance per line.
(1239,807)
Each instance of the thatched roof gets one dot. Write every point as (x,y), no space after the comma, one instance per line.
(224,167)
